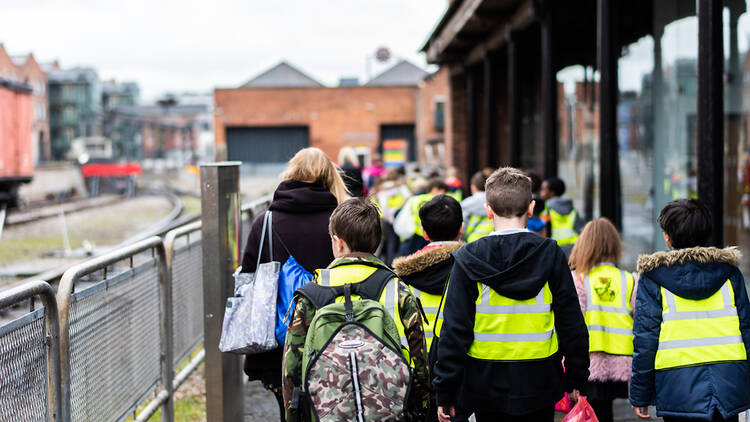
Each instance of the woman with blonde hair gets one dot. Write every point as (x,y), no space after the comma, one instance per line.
(606,294)
(310,189)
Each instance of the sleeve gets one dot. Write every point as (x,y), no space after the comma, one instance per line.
(294,348)
(250,254)
(410,313)
(404,224)
(580,290)
(646,328)
(572,333)
(743,306)
(456,336)
(636,276)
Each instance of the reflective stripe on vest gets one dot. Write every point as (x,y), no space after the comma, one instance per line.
(608,311)
(415,206)
(430,305)
(356,273)
(563,227)
(695,332)
(511,330)
(479,227)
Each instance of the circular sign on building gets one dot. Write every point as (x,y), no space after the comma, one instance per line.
(383,54)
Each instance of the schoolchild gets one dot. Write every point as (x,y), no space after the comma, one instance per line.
(355,234)
(476,223)
(691,325)
(564,222)
(511,315)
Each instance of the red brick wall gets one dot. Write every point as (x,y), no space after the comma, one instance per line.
(433,88)
(336,117)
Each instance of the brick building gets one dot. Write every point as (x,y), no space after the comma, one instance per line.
(283,110)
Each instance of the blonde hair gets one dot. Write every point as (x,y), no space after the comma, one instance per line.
(347,155)
(312,165)
(599,242)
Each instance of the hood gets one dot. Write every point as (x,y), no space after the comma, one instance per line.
(691,273)
(514,265)
(474,205)
(295,197)
(427,270)
(561,205)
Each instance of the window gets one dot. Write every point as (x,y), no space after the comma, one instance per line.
(439,116)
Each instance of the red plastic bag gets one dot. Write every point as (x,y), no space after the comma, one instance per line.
(581,412)
(564,405)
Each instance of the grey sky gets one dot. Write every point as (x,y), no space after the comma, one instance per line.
(171,45)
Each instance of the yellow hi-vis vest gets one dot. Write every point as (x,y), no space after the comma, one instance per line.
(419,200)
(563,227)
(355,273)
(430,305)
(695,332)
(608,310)
(479,227)
(510,330)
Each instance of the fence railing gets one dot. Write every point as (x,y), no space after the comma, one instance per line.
(30,357)
(109,341)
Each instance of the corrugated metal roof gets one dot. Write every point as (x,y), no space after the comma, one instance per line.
(282,75)
(402,73)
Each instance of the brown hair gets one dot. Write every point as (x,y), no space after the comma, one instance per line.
(599,242)
(357,222)
(508,192)
(479,179)
(312,165)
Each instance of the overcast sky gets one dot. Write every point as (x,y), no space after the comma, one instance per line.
(180,45)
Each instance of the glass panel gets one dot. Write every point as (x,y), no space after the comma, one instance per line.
(736,126)
(656,123)
(578,119)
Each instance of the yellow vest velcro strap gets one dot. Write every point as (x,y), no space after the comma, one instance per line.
(509,337)
(697,342)
(611,330)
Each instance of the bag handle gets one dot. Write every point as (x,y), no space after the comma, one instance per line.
(266,225)
(348,302)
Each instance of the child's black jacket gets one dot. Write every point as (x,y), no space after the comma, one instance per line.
(516,266)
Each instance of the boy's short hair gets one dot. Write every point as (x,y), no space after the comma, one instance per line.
(479,179)
(556,185)
(687,222)
(357,222)
(508,192)
(441,218)
(437,183)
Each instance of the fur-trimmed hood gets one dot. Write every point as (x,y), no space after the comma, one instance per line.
(692,273)
(427,270)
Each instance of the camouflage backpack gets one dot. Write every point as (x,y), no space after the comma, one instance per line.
(353,368)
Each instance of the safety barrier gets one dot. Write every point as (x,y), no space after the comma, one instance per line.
(30,355)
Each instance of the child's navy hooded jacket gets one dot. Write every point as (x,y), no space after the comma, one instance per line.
(692,391)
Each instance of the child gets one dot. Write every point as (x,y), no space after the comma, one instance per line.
(564,221)
(607,295)
(355,234)
(511,316)
(476,223)
(407,225)
(427,270)
(692,324)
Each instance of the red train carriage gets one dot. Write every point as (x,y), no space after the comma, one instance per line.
(16,163)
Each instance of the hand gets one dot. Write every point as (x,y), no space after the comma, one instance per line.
(446,413)
(641,412)
(574,395)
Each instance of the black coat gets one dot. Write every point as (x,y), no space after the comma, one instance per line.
(300,220)
(516,266)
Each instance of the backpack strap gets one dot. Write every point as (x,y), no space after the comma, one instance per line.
(370,288)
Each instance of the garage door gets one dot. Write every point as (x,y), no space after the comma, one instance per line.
(265,144)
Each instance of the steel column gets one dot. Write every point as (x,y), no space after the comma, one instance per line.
(710,117)
(549,95)
(471,121)
(609,163)
(220,216)
(514,103)
(489,109)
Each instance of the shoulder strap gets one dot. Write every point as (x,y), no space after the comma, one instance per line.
(266,225)
(370,288)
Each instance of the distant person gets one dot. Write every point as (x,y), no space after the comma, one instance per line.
(390,193)
(352,171)
(310,190)
(607,297)
(537,223)
(564,222)
(374,170)
(692,324)
(474,211)
(427,270)
(408,225)
(511,316)
(455,187)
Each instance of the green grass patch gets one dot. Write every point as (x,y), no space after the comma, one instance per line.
(32,247)
(192,204)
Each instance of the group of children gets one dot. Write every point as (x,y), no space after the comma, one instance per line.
(502,326)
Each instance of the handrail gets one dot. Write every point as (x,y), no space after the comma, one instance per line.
(44,291)
(65,291)
(172,235)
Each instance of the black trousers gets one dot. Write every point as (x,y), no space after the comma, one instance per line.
(544,415)
(603,410)
(717,418)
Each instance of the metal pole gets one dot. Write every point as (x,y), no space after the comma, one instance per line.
(489,109)
(549,94)
(711,113)
(514,103)
(220,216)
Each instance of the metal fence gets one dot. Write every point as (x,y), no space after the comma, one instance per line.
(29,352)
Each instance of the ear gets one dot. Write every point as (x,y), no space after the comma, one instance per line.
(667,240)
(461,232)
(490,213)
(530,210)
(424,234)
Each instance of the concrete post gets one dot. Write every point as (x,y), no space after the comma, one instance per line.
(220,217)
